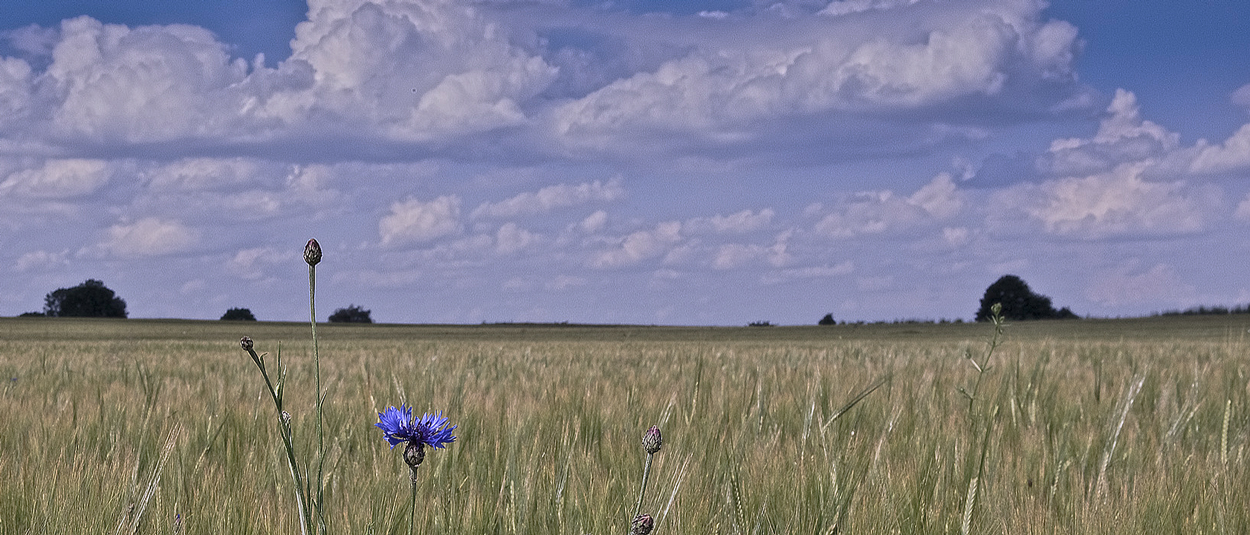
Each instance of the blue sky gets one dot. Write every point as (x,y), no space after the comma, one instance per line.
(695,163)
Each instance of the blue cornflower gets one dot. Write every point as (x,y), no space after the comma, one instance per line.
(398,426)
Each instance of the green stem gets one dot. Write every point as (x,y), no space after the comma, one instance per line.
(646,471)
(321,451)
(299,487)
(412,511)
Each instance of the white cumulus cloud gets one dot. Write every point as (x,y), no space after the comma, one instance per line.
(253,263)
(415,68)
(1119,202)
(39,260)
(735,223)
(640,245)
(510,238)
(884,211)
(551,198)
(830,64)
(413,221)
(57,179)
(594,222)
(1243,209)
(1123,136)
(143,84)
(149,237)
(1233,154)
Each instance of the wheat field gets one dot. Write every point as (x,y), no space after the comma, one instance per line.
(1091,426)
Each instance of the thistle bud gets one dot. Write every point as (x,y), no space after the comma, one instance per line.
(651,440)
(312,252)
(642,525)
(246,343)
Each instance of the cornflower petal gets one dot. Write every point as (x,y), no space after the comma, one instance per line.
(398,427)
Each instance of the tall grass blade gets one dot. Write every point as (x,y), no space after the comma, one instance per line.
(855,400)
(1109,452)
(155,479)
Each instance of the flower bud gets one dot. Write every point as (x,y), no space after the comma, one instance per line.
(642,525)
(651,440)
(246,343)
(414,454)
(312,252)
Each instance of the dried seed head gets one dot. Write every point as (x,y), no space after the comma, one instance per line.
(414,454)
(312,252)
(642,525)
(651,440)
(246,343)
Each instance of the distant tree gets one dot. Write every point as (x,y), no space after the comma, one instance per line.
(351,314)
(1020,303)
(90,299)
(827,320)
(32,315)
(760,324)
(238,314)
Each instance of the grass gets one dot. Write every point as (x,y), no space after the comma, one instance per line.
(1092,426)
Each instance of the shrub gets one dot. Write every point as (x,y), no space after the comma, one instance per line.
(238,314)
(351,314)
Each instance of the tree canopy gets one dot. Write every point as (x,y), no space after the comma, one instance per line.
(90,299)
(1019,302)
(351,314)
(238,314)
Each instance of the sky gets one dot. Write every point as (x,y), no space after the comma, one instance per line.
(677,162)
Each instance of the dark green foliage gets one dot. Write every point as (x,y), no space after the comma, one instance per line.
(827,320)
(351,314)
(1203,310)
(238,314)
(1019,302)
(32,315)
(91,299)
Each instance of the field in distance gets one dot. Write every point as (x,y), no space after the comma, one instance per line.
(1090,426)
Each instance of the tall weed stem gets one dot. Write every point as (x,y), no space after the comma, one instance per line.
(312,256)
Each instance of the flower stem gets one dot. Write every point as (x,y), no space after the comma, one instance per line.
(321,450)
(646,470)
(412,511)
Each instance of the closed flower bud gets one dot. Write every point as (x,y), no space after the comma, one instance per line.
(312,252)
(642,525)
(651,440)
(246,343)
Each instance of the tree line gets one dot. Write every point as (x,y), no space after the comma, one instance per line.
(92,299)
(1019,303)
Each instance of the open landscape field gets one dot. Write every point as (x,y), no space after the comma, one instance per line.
(1091,426)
